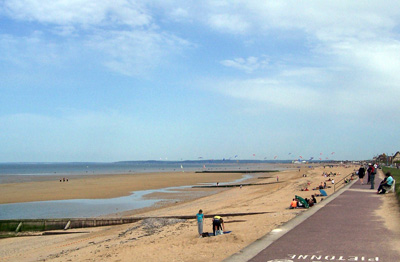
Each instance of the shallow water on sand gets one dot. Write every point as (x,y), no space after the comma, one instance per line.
(81,208)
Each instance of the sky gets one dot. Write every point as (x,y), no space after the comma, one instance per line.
(123,80)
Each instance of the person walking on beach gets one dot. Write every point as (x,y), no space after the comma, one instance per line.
(361,174)
(200,219)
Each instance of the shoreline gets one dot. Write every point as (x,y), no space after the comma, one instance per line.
(61,199)
(112,185)
(103,186)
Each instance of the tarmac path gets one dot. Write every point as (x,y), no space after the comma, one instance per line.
(344,227)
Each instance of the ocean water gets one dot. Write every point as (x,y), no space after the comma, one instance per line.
(127,166)
(78,208)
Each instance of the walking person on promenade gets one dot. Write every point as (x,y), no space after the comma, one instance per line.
(372,171)
(361,174)
(369,171)
(200,219)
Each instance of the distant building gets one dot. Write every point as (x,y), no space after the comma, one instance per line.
(382,158)
(396,158)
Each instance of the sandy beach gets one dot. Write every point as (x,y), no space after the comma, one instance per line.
(160,239)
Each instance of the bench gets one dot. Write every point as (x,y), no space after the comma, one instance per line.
(390,188)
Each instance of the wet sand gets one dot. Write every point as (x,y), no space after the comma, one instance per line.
(103,186)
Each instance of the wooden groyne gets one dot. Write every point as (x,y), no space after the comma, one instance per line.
(236,185)
(19,225)
(237,171)
(23,225)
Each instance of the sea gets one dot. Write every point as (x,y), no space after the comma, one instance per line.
(81,208)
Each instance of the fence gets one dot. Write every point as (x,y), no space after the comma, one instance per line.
(343,181)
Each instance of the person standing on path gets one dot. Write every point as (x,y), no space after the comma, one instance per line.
(361,174)
(200,219)
(372,171)
(369,170)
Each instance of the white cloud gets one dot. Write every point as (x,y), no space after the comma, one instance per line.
(380,57)
(320,91)
(83,13)
(179,14)
(136,53)
(29,51)
(324,19)
(231,23)
(273,92)
(122,33)
(248,65)
(349,64)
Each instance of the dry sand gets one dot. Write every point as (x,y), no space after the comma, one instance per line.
(170,240)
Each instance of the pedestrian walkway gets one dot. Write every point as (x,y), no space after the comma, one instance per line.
(344,227)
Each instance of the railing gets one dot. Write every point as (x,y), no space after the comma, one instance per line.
(342,182)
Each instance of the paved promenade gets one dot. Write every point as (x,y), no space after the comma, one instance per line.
(343,227)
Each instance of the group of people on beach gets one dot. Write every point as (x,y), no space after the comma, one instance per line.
(296,203)
(218,225)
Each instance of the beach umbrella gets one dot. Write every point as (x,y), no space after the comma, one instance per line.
(303,201)
(323,192)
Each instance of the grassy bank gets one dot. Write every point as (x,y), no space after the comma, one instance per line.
(396,175)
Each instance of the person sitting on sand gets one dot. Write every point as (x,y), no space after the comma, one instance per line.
(299,204)
(293,204)
(218,224)
(314,199)
(385,184)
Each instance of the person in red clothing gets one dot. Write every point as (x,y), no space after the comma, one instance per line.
(371,175)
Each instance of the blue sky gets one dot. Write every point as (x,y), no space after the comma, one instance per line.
(135,80)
